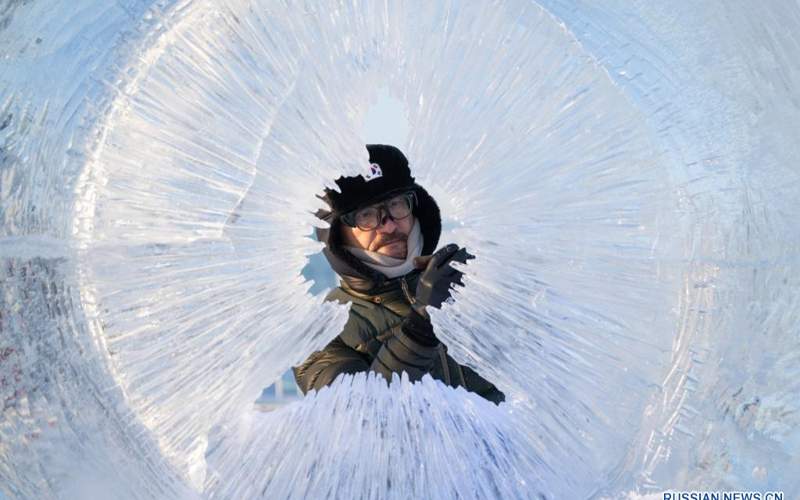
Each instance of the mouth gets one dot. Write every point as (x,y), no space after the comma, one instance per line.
(388,243)
(394,248)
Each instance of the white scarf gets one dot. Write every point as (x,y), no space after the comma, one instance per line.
(391,266)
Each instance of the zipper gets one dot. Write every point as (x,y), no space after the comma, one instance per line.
(442,355)
(445,368)
(411,300)
(461,374)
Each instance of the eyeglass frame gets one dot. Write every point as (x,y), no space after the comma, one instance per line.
(383,210)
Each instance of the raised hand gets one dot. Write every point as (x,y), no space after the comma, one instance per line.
(438,277)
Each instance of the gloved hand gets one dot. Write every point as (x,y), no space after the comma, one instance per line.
(434,284)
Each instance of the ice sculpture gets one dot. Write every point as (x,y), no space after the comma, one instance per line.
(625,172)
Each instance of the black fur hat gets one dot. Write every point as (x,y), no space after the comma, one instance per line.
(389,174)
(392,175)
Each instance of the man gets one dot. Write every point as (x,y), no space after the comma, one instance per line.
(381,226)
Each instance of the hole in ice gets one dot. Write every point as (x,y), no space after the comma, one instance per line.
(319,272)
(381,334)
(281,392)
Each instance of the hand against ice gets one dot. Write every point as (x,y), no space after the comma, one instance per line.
(437,278)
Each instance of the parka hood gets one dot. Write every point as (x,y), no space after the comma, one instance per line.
(355,274)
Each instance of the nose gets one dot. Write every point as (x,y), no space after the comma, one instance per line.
(387,224)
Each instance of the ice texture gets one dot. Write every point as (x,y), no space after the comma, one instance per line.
(625,172)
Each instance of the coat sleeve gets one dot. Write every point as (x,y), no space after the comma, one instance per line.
(411,348)
(322,367)
(408,347)
(480,386)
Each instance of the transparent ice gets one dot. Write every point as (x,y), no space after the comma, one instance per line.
(627,174)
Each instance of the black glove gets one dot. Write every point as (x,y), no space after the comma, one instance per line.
(434,284)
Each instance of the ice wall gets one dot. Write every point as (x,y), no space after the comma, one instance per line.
(626,173)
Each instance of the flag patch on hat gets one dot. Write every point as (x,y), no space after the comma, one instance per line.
(374,172)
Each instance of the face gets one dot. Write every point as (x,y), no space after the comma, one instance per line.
(389,238)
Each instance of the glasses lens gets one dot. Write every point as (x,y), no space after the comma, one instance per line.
(399,206)
(367,218)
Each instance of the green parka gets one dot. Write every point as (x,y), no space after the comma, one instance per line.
(381,332)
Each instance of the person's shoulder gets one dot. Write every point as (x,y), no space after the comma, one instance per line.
(338,295)
(341,296)
(362,313)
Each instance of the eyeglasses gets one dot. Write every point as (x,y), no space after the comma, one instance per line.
(368,218)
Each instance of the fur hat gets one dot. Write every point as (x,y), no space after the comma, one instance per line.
(389,174)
